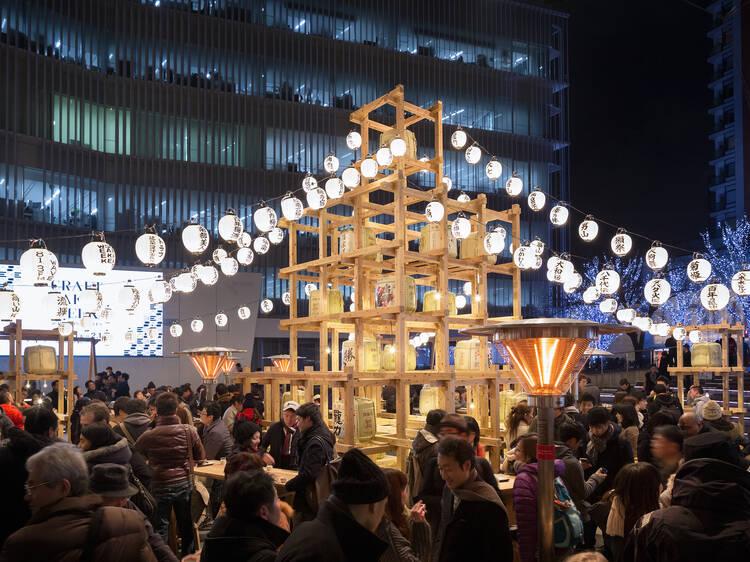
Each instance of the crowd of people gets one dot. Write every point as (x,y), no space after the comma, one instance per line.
(639,480)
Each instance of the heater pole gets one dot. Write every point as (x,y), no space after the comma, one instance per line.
(546,474)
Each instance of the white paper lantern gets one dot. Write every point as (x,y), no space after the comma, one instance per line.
(695,336)
(473,154)
(626,315)
(350,177)
(218,255)
(91,301)
(494,241)
(657,291)
(286,298)
(185,283)
(309,288)
(461,227)
(221,319)
(245,240)
(434,211)
(460,301)
(463,198)
(537,200)
(588,229)
(699,269)
(159,292)
(538,262)
(741,282)
(129,298)
(384,156)
(265,219)
(261,245)
(195,238)
(608,306)
(353,140)
(621,244)
(653,329)
(448,183)
(538,246)
(335,188)
(230,225)
(572,283)
(276,236)
(196,325)
(291,207)
(229,266)
(65,328)
(243,312)
(317,198)
(679,333)
(38,266)
(558,215)
(266,305)
(643,323)
(352,308)
(714,296)
(209,275)
(560,270)
(10,305)
(514,185)
(656,257)
(467,288)
(150,249)
(458,139)
(245,256)
(331,164)
(98,257)
(369,168)
(309,182)
(663,329)
(398,147)
(590,295)
(607,281)
(524,257)
(493,169)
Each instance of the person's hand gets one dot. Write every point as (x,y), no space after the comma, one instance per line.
(268,459)
(222,510)
(601,473)
(418,512)
(586,465)
(195,557)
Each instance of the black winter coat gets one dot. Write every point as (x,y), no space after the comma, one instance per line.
(273,443)
(617,454)
(666,402)
(314,450)
(237,540)
(333,536)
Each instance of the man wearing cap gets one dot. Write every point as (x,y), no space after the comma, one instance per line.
(110,481)
(280,441)
(344,529)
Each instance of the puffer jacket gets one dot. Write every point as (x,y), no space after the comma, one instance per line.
(120,453)
(58,533)
(166,448)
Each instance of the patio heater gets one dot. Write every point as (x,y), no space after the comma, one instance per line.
(210,362)
(282,362)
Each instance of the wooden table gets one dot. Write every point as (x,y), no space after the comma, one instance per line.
(216,471)
(506,490)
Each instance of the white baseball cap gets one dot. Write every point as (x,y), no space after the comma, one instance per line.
(290,405)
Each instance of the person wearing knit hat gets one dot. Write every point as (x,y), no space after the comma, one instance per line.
(344,528)
(712,415)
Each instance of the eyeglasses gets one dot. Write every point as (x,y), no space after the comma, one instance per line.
(29,488)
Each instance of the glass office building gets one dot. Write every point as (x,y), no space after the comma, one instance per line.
(122,114)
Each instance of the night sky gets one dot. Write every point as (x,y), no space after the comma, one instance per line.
(638,113)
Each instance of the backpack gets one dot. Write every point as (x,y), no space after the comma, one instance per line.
(568,522)
(413,478)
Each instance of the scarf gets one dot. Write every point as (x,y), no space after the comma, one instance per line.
(597,444)
(616,519)
(287,446)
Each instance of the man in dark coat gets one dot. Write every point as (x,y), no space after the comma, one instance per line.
(344,529)
(560,418)
(666,401)
(423,448)
(473,520)
(280,441)
(314,450)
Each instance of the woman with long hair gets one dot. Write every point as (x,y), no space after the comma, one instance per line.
(627,418)
(406,532)
(518,422)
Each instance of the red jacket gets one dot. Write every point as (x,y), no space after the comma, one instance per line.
(14,414)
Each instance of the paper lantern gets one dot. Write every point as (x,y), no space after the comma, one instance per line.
(291,207)
(657,291)
(159,292)
(608,306)
(463,198)
(643,323)
(38,265)
(243,312)
(466,288)
(266,305)
(196,325)
(714,296)
(653,329)
(560,270)
(221,319)
(331,164)
(91,301)
(524,257)
(368,168)
(398,147)
(590,295)
(209,275)
(351,307)
(607,281)
(656,257)
(663,329)
(10,305)
(473,154)
(309,183)
(245,240)
(229,266)
(129,298)
(538,246)
(558,215)
(621,243)
(695,336)
(434,211)
(679,333)
(458,138)
(98,257)
(230,225)
(150,249)
(699,269)
(741,282)
(572,283)
(57,305)
(245,256)
(185,283)
(353,140)
(461,227)
(317,198)
(588,229)
(350,177)
(626,315)
(218,255)
(335,188)
(65,328)
(494,241)
(261,245)
(276,236)
(447,183)
(537,200)
(195,238)
(286,298)
(265,219)
(384,156)
(309,288)
(493,169)
(460,301)
(514,185)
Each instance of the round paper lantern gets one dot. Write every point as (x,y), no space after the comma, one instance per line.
(644,323)
(129,298)
(537,200)
(185,283)
(558,215)
(434,211)
(91,301)
(458,138)
(514,185)
(196,324)
(276,236)
(538,246)
(331,164)
(65,328)
(448,183)
(195,238)
(266,305)
(245,256)
(353,140)
(230,225)
(98,257)
(309,182)
(607,281)
(291,207)
(350,177)
(261,245)
(286,298)
(309,288)
(608,306)
(398,147)
(657,291)
(467,288)
(524,257)
(679,333)
(221,319)
(656,257)
(335,188)
(264,218)
(590,295)
(560,270)
(218,255)
(621,243)
(368,168)
(317,198)
(695,336)
(463,198)
(653,330)
(10,305)
(663,329)
(493,169)
(384,156)
(741,282)
(572,283)
(38,266)
(625,315)
(699,269)
(714,296)
(209,275)
(588,229)
(460,301)
(229,266)
(243,312)
(473,154)
(494,241)
(461,227)
(150,249)
(159,292)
